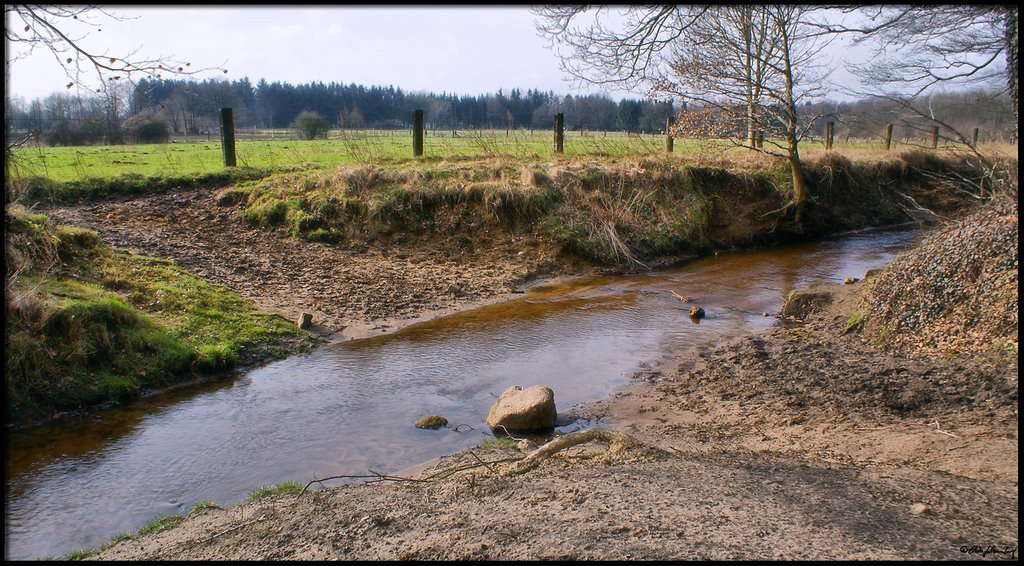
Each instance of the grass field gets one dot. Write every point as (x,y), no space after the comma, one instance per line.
(279,150)
(61,164)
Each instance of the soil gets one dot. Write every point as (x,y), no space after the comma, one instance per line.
(351,292)
(801,442)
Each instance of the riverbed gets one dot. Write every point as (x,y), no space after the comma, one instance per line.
(349,407)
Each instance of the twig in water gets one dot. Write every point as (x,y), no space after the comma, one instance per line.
(681,298)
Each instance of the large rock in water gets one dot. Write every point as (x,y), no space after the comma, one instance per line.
(519,409)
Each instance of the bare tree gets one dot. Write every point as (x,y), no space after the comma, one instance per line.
(749,65)
(31,27)
(310,125)
(626,52)
(723,57)
(918,48)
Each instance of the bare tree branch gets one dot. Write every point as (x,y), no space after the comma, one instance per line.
(30,27)
(626,53)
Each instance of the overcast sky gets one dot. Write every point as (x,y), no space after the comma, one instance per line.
(461,50)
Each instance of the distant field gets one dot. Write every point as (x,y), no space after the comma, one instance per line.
(278,149)
(342,148)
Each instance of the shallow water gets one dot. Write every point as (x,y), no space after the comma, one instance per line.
(349,407)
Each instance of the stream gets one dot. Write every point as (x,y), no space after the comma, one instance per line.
(348,407)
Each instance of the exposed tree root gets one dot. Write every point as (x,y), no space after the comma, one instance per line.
(616,441)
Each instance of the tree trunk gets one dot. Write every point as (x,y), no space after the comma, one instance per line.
(792,122)
(748,68)
(1011,62)
(751,126)
(799,187)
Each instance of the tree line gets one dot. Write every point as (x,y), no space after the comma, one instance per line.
(153,110)
(158,108)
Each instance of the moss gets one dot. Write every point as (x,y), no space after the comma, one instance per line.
(855,323)
(94,325)
(499,443)
(268,213)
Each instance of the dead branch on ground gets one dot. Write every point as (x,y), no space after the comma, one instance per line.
(616,441)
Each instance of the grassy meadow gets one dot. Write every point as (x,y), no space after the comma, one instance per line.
(279,150)
(63,164)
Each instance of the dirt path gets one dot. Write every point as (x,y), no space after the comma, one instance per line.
(801,442)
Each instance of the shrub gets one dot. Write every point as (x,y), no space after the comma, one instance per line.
(146,129)
(310,125)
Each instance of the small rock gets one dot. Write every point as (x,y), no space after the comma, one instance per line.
(696,312)
(561,177)
(305,319)
(918,509)
(531,178)
(433,422)
(850,280)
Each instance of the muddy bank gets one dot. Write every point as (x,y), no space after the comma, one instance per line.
(349,292)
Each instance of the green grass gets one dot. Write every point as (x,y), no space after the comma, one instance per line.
(191,159)
(31,189)
(158,525)
(284,488)
(202,158)
(498,443)
(87,324)
(657,211)
(203,505)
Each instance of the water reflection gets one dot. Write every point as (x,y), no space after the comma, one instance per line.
(349,407)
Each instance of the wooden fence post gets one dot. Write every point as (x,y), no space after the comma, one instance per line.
(975,142)
(669,142)
(830,129)
(935,137)
(888,136)
(227,136)
(417,133)
(559,132)
(760,139)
